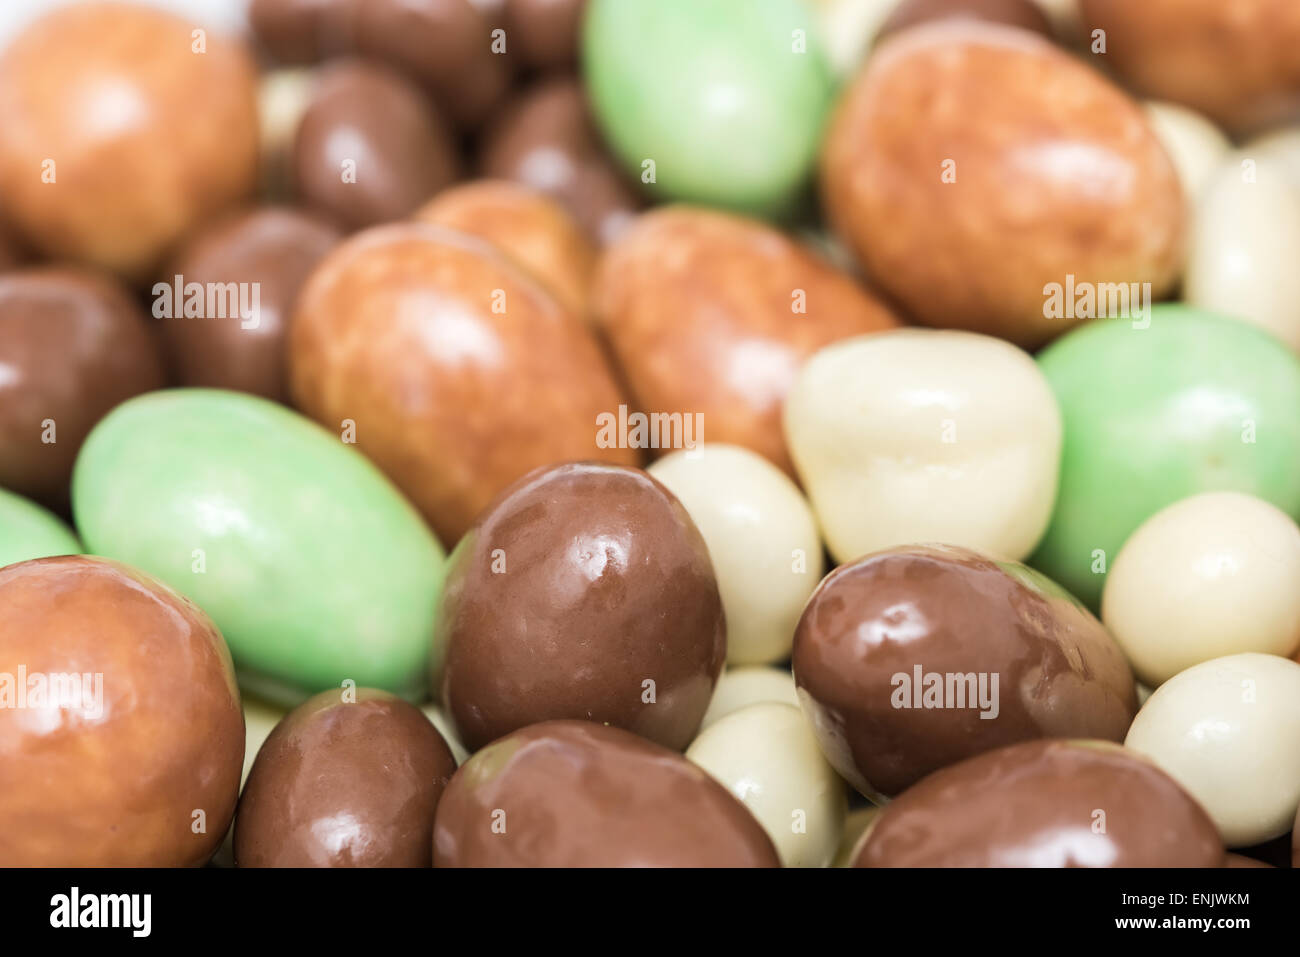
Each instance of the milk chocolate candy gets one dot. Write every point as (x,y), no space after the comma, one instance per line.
(120,723)
(545,32)
(1045,804)
(73,344)
(269,252)
(1013,13)
(577,794)
(370,147)
(585,591)
(349,778)
(304,31)
(914,658)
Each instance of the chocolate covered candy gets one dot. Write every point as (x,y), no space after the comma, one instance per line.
(313,564)
(712,313)
(1024,14)
(29,531)
(121,134)
(965,188)
(370,147)
(119,720)
(530,227)
(577,794)
(585,591)
(1186,402)
(458,370)
(1045,804)
(349,778)
(913,659)
(269,252)
(1228,730)
(544,138)
(919,435)
(73,344)
(1212,575)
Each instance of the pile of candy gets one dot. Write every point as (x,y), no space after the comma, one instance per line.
(651,432)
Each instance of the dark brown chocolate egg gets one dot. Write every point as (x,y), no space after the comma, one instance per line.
(585,591)
(120,727)
(1014,13)
(1045,804)
(915,658)
(370,147)
(73,344)
(576,794)
(544,138)
(268,254)
(452,368)
(349,778)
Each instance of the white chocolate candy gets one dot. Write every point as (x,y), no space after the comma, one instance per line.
(1228,730)
(926,435)
(767,756)
(762,538)
(439,718)
(856,828)
(1282,145)
(848,28)
(740,687)
(1212,575)
(1193,142)
(1245,246)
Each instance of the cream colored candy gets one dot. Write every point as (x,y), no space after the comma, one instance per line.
(440,721)
(740,687)
(282,98)
(1228,730)
(1245,246)
(1195,144)
(767,756)
(1282,145)
(1212,575)
(762,538)
(848,28)
(856,828)
(926,435)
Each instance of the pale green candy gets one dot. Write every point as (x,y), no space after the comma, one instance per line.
(29,531)
(312,564)
(727,97)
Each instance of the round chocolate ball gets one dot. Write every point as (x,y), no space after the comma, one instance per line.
(544,138)
(577,794)
(545,32)
(270,251)
(370,147)
(1045,804)
(348,779)
(74,345)
(121,134)
(912,659)
(304,31)
(121,729)
(1014,13)
(585,591)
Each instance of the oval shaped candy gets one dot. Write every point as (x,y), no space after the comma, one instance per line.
(740,687)
(29,531)
(585,591)
(726,98)
(577,794)
(965,188)
(912,659)
(1156,412)
(119,720)
(344,783)
(314,566)
(1045,804)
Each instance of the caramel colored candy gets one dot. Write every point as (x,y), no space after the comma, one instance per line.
(528,226)
(1235,62)
(1013,13)
(73,344)
(576,794)
(274,248)
(912,659)
(1045,804)
(344,783)
(586,591)
(119,135)
(969,165)
(544,138)
(712,313)
(459,372)
(370,147)
(137,733)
